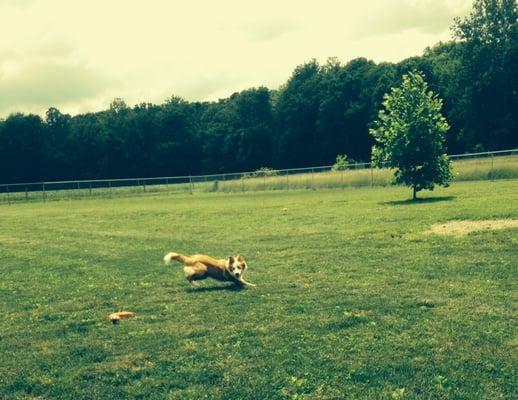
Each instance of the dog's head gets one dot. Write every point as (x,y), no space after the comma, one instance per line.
(236,266)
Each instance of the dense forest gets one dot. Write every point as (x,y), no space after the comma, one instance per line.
(320,112)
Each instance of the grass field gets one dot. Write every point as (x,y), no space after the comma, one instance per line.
(354,300)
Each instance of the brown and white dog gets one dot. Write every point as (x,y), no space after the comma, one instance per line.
(199,266)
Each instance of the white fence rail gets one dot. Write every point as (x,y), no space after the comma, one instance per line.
(475,166)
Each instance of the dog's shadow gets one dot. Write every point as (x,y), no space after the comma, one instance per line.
(206,289)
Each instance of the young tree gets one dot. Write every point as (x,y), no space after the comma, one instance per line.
(410,133)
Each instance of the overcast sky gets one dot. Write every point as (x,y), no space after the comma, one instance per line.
(78,55)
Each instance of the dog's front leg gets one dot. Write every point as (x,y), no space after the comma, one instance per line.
(245,283)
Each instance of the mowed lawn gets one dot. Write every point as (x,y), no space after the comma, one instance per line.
(354,300)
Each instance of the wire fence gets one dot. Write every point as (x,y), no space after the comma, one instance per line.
(474,166)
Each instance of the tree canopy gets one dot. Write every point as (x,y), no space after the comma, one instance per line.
(488,79)
(320,112)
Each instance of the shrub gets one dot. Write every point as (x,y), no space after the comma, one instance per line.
(341,163)
(261,172)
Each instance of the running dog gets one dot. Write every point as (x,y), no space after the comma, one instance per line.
(199,266)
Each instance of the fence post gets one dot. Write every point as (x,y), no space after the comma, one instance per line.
(287,180)
(8,196)
(190,184)
(492,161)
(90,189)
(44,194)
(110,186)
(26,193)
(144,185)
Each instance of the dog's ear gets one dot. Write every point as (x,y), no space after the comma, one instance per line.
(231,260)
(240,258)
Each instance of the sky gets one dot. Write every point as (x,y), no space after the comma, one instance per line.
(78,55)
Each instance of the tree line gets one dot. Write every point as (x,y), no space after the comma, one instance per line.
(321,111)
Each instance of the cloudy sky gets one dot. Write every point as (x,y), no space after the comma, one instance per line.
(77,55)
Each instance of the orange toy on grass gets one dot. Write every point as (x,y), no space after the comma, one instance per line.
(116,317)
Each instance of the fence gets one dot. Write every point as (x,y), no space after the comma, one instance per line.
(474,166)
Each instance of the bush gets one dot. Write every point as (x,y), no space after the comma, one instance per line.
(261,172)
(341,163)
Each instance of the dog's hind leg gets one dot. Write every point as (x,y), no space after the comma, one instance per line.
(190,274)
(193,275)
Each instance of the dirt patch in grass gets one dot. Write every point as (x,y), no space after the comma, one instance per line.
(464,227)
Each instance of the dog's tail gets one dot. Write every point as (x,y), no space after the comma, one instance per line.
(174,256)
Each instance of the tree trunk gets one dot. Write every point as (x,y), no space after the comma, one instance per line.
(414,197)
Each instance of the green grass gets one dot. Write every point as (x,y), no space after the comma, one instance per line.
(353,300)
(482,168)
